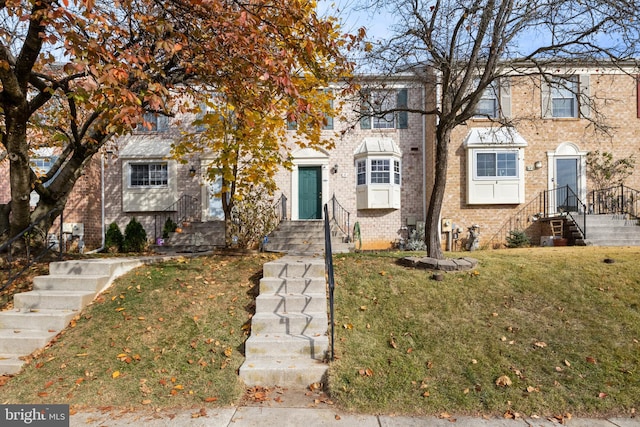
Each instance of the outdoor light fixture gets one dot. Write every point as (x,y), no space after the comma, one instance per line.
(538,164)
(334,169)
(192,171)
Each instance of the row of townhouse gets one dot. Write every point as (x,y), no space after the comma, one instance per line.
(381,169)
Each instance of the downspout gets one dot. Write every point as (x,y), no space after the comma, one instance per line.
(424,153)
(102,209)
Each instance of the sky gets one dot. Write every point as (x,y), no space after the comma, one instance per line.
(352,17)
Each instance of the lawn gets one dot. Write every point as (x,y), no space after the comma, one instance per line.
(544,331)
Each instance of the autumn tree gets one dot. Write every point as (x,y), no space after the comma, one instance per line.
(76,75)
(468,45)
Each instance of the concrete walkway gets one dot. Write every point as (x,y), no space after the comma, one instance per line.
(282,416)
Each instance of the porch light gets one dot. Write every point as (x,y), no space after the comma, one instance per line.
(192,171)
(538,164)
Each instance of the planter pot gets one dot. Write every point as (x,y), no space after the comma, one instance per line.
(560,242)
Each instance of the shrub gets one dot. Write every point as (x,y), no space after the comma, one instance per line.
(169,227)
(135,238)
(113,239)
(518,239)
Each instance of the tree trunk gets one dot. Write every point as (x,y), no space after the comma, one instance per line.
(19,168)
(432,228)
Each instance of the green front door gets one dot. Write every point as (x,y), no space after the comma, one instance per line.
(310,192)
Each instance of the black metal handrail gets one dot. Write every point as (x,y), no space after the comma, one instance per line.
(328,259)
(549,203)
(186,208)
(618,199)
(340,216)
(9,247)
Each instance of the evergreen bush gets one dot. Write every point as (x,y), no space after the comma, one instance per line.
(518,239)
(135,237)
(114,240)
(169,227)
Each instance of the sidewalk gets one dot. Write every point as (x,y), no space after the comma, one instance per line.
(290,408)
(247,416)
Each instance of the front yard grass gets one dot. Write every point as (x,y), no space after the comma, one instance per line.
(543,331)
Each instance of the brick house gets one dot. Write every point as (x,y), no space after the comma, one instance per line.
(493,173)
(380,168)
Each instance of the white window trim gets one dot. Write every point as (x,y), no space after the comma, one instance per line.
(501,89)
(475,152)
(148,163)
(392,159)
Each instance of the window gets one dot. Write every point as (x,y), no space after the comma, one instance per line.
(328,118)
(495,101)
(489,104)
(497,164)
(361,172)
(380,172)
(378,169)
(41,166)
(565,96)
(377,109)
(154,122)
(396,172)
(148,175)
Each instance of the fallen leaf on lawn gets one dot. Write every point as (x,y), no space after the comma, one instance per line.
(338,418)
(426,394)
(347,326)
(146,401)
(392,342)
(382,273)
(82,354)
(48,384)
(43,394)
(602,395)
(591,360)
(363,308)
(115,374)
(445,415)
(566,362)
(532,389)
(178,387)
(503,381)
(540,344)
(228,351)
(119,308)
(210,399)
(366,372)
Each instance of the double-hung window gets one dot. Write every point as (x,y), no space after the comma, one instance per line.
(565,96)
(489,103)
(154,122)
(148,175)
(384,109)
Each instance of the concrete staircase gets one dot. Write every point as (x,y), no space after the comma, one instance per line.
(39,315)
(288,338)
(611,230)
(305,237)
(195,237)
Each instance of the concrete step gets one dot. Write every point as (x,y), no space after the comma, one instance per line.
(57,300)
(44,320)
(290,323)
(285,372)
(281,345)
(291,303)
(94,267)
(282,285)
(84,282)
(295,267)
(23,341)
(10,364)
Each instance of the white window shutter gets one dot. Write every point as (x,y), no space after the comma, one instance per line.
(545,90)
(505,97)
(584,99)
